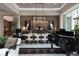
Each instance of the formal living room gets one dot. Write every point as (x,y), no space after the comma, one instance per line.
(50,29)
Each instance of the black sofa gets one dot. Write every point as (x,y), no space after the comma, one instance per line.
(64,39)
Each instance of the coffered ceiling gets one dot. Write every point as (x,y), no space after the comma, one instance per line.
(39,5)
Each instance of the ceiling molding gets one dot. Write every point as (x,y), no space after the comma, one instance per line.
(16,6)
(50,9)
(39,9)
(12,7)
(63,5)
(39,5)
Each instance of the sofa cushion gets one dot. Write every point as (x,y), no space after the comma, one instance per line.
(3,51)
(11,42)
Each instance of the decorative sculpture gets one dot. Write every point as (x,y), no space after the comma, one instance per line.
(27,26)
(51,26)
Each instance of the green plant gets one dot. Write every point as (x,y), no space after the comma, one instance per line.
(3,39)
(77,30)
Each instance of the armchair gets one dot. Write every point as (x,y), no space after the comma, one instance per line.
(13,44)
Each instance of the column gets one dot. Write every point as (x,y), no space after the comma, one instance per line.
(18,22)
(1,26)
(61,21)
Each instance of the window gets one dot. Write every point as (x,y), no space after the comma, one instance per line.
(73,15)
(70,22)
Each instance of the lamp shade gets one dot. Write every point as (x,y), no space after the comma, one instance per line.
(23,28)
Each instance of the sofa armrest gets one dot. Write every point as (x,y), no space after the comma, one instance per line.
(3,51)
(14,52)
(11,43)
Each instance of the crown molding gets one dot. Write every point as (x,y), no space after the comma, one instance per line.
(40,8)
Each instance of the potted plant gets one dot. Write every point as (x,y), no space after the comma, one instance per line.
(77,31)
(3,40)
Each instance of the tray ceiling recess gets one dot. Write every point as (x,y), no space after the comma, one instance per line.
(39,5)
